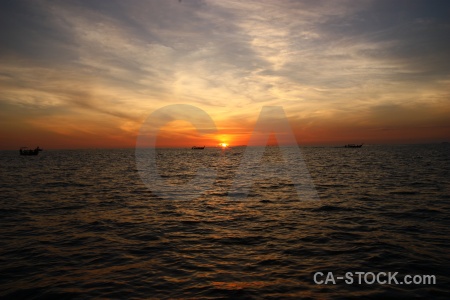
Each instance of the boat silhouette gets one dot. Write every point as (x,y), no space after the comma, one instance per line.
(26,151)
(198,148)
(353,146)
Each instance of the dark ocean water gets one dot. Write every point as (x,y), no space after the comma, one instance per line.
(81,224)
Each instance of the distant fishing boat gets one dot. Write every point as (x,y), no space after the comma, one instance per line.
(198,148)
(353,146)
(26,151)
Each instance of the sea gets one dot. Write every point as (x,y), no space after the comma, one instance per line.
(84,224)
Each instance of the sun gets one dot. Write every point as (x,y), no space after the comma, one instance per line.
(223,145)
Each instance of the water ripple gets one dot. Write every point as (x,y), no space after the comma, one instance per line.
(85,226)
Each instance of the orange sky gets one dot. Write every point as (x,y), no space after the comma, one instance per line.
(87,74)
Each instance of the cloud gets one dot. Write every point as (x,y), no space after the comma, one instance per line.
(323,61)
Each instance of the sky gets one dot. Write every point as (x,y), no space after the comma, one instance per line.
(87,74)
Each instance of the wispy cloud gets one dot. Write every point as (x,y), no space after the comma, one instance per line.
(368,62)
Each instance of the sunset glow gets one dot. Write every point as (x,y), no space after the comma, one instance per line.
(87,74)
